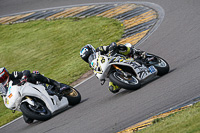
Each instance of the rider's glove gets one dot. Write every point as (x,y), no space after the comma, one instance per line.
(143,55)
(113,47)
(23,81)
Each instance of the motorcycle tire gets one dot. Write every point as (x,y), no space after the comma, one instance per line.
(27,120)
(162,66)
(74,97)
(119,79)
(42,113)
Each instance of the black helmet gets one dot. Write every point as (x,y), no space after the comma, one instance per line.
(4,76)
(86,51)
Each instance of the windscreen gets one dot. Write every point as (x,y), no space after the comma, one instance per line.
(2,89)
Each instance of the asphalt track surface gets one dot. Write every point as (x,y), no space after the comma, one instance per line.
(176,40)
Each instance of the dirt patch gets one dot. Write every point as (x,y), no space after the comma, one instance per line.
(82,78)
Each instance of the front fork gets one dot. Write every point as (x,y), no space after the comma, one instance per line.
(29,100)
(121,71)
(117,68)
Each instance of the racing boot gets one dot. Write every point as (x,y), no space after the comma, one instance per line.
(56,88)
(113,88)
(55,84)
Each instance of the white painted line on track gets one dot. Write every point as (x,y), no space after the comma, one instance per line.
(10,122)
(83,81)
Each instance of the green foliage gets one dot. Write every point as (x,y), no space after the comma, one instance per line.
(186,121)
(52,47)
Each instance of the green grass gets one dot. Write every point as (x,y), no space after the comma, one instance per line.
(6,115)
(52,47)
(186,121)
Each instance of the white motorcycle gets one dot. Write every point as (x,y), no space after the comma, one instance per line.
(36,101)
(127,73)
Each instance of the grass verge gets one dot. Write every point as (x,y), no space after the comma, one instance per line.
(52,47)
(186,121)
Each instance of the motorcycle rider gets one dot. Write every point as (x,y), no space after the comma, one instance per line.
(20,78)
(87,53)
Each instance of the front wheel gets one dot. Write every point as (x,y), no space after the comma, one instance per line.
(37,112)
(28,120)
(129,82)
(74,97)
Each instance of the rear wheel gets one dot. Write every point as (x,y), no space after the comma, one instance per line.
(74,97)
(126,82)
(38,112)
(161,65)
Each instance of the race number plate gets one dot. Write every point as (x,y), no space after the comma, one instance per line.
(152,69)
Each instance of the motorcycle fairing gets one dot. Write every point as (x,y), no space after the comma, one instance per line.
(52,102)
(141,71)
(17,94)
(12,97)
